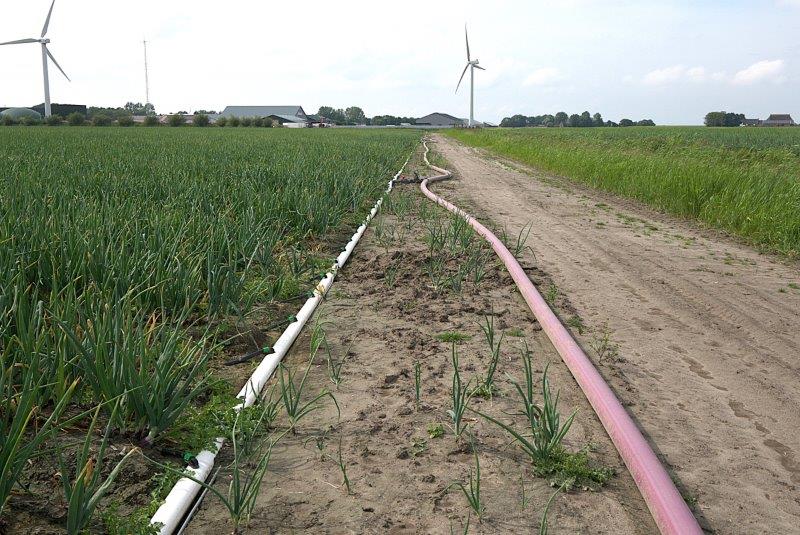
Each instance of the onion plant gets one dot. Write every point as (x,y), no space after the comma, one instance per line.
(542,440)
(460,394)
(472,491)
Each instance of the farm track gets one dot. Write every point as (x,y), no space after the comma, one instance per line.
(398,472)
(706,329)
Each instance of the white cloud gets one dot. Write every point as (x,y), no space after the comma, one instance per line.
(543,76)
(665,75)
(769,70)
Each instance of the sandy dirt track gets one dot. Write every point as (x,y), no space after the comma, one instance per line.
(399,473)
(708,332)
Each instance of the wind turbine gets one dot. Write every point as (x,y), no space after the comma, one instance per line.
(42,40)
(472,64)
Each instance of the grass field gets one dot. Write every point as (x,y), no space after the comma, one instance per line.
(743,180)
(118,247)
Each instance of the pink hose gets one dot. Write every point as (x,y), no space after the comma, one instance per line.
(669,510)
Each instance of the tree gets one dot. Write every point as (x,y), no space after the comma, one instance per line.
(151,120)
(205,112)
(176,119)
(200,119)
(76,119)
(355,115)
(597,120)
(646,122)
(233,121)
(515,121)
(125,120)
(221,121)
(335,115)
(137,108)
(54,120)
(574,120)
(715,118)
(586,119)
(626,122)
(101,119)
(561,119)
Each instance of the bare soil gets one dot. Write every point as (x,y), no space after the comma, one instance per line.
(398,472)
(706,329)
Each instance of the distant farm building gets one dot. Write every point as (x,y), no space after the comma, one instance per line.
(440,119)
(777,119)
(751,122)
(290,116)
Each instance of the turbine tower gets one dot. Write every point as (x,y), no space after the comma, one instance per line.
(146,78)
(42,40)
(472,64)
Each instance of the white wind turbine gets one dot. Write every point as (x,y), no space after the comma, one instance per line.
(472,64)
(45,54)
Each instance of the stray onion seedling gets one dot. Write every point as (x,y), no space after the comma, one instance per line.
(460,394)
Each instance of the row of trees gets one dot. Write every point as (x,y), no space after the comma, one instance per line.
(355,115)
(584,120)
(723,118)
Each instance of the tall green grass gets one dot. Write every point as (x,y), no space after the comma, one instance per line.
(117,246)
(743,180)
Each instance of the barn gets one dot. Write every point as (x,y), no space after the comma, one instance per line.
(290,116)
(440,119)
(778,119)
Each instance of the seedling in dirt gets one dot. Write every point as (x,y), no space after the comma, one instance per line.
(524,501)
(494,352)
(435,430)
(390,275)
(418,446)
(576,323)
(452,337)
(417,382)
(543,522)
(460,394)
(516,332)
(551,294)
(465,526)
(342,465)
(603,346)
(473,492)
(519,244)
(87,488)
(334,366)
(292,393)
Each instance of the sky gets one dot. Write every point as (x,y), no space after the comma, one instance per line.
(671,61)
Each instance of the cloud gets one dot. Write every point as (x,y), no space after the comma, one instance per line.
(767,70)
(665,75)
(543,76)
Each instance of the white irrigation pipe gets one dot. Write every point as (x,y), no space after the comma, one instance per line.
(180,499)
(669,510)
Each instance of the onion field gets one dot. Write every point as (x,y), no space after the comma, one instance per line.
(120,248)
(743,180)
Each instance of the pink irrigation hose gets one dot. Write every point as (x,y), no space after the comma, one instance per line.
(669,510)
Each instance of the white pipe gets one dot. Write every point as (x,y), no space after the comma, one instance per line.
(184,492)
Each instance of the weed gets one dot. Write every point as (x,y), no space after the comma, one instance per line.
(453,337)
(435,430)
(391,274)
(551,294)
(418,446)
(342,465)
(543,529)
(603,345)
(516,332)
(576,323)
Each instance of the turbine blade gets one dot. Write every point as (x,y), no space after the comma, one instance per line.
(56,63)
(19,41)
(479,67)
(462,77)
(465,35)
(47,20)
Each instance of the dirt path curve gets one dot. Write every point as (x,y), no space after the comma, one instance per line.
(708,332)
